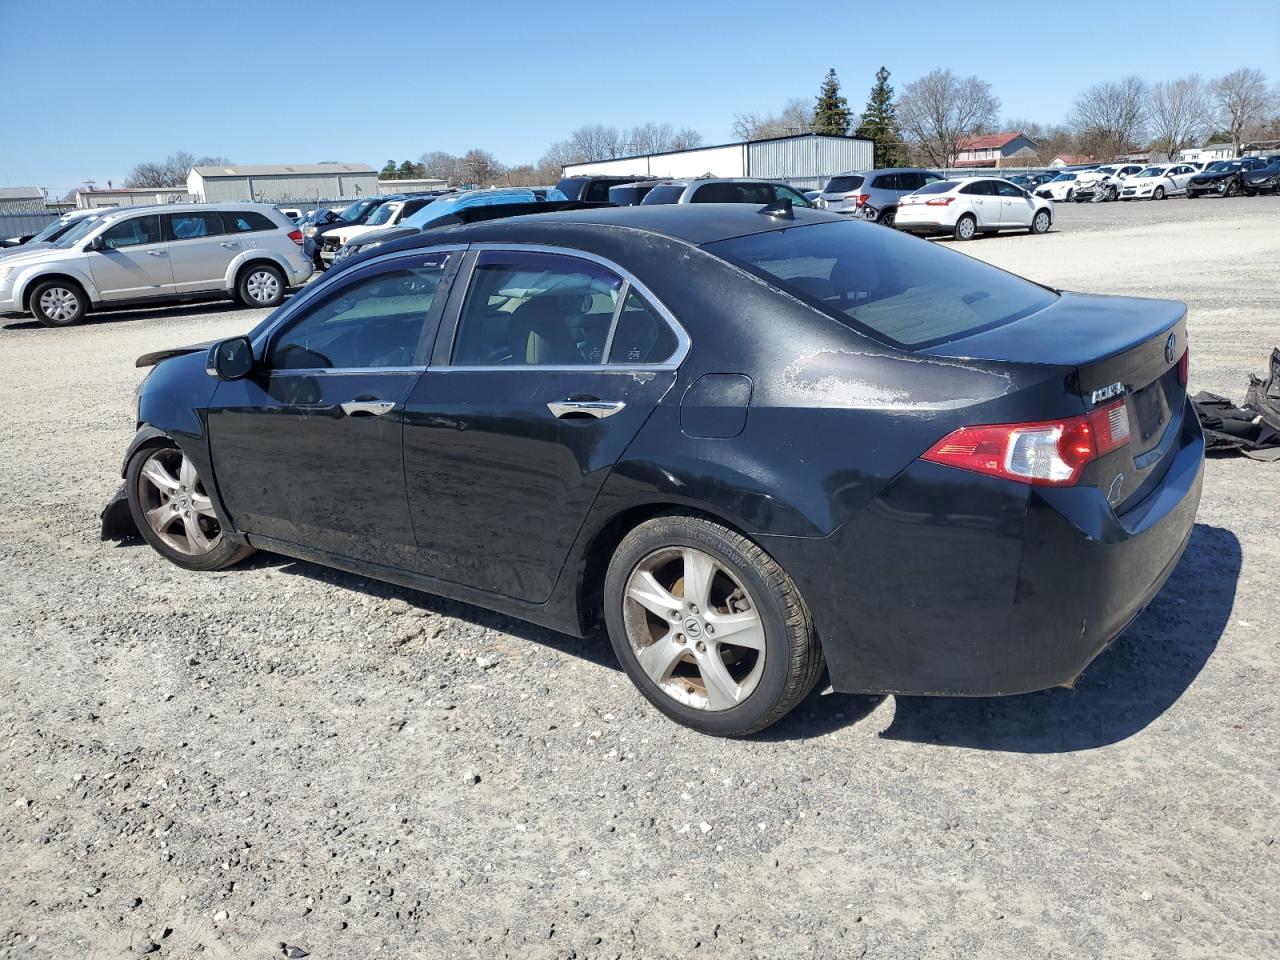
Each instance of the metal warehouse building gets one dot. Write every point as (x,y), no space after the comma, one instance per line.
(274,184)
(805,160)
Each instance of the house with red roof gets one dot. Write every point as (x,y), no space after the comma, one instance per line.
(1014,148)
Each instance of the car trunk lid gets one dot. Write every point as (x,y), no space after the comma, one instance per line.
(1121,348)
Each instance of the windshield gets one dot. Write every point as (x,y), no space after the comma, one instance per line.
(474,198)
(50,231)
(885,283)
(1063,177)
(354,211)
(383,214)
(77,233)
(1217,165)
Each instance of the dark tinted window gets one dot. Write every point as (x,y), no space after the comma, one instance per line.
(193,225)
(761,193)
(981,188)
(642,336)
(665,193)
(1008,189)
(910,181)
(884,282)
(929,178)
(130,233)
(843,184)
(937,186)
(243,221)
(535,309)
(783,192)
(596,191)
(887,181)
(570,187)
(374,321)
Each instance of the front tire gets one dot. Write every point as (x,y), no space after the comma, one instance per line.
(58,303)
(261,285)
(1041,222)
(709,627)
(966,227)
(1157,193)
(174,512)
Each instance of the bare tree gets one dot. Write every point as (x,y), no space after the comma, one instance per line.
(686,138)
(481,168)
(595,141)
(794,117)
(1242,99)
(170,172)
(1111,118)
(1179,115)
(440,165)
(940,110)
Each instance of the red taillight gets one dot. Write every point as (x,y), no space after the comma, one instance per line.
(1184,366)
(938,202)
(296,236)
(861,199)
(1053,453)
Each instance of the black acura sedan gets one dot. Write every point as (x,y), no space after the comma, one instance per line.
(1222,178)
(752,443)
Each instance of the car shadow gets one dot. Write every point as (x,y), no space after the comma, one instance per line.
(1129,686)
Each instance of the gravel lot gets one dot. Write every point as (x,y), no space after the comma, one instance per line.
(219,765)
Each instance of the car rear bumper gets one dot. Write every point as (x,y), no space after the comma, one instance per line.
(954,584)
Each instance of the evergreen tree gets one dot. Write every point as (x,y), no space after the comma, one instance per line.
(408,170)
(388,172)
(832,114)
(880,122)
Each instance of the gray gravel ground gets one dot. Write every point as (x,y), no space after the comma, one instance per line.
(219,765)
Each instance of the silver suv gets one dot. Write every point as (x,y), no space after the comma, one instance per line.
(133,255)
(874,194)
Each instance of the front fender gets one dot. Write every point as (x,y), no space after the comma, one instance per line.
(28,277)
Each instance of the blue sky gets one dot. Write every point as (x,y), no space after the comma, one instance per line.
(91,88)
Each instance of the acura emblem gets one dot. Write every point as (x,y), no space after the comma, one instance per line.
(1169,346)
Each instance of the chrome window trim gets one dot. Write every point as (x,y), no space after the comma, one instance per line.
(683,343)
(309,292)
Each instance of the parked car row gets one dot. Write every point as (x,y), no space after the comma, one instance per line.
(1163,180)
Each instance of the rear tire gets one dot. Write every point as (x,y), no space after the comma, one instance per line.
(766,658)
(888,218)
(966,227)
(58,303)
(261,285)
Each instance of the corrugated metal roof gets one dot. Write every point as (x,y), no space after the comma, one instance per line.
(21,193)
(284,170)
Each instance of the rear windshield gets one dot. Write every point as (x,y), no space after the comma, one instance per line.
(843,184)
(937,186)
(898,288)
(664,193)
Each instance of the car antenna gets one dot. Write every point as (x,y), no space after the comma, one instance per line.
(780,208)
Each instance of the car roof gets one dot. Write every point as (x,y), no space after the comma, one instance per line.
(694,223)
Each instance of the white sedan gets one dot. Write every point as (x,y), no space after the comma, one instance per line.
(964,208)
(1061,187)
(1157,182)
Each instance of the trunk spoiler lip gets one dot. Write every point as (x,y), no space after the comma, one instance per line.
(158,356)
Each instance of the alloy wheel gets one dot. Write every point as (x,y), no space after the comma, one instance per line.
(59,304)
(176,505)
(694,629)
(262,286)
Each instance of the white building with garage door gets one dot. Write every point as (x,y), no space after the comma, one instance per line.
(278,183)
(805,160)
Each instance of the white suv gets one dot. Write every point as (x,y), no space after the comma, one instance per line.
(133,255)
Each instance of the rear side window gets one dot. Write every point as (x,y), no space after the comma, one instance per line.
(194,225)
(132,233)
(244,221)
(596,191)
(641,336)
(888,181)
(843,184)
(982,188)
(734,193)
(884,283)
(910,181)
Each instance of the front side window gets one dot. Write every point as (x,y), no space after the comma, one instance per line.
(536,309)
(375,321)
(1008,190)
(192,226)
(884,283)
(981,188)
(131,233)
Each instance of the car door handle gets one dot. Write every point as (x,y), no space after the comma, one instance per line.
(367,408)
(157,253)
(230,244)
(578,407)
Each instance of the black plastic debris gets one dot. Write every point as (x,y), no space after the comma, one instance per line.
(1253,428)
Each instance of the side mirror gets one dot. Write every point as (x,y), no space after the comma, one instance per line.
(230,359)
(97,243)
